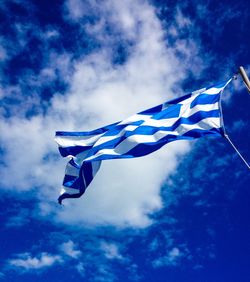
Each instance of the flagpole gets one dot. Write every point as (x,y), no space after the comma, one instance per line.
(245,78)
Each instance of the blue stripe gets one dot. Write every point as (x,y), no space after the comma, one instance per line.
(204,99)
(197,133)
(79,185)
(73,150)
(70,181)
(74,164)
(152,111)
(87,172)
(179,99)
(170,112)
(218,85)
(69,196)
(86,133)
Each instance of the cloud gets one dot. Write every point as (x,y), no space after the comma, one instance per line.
(104,274)
(81,269)
(75,9)
(111,250)
(81,260)
(171,259)
(125,192)
(69,249)
(26,262)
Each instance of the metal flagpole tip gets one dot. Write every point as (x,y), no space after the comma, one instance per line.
(245,78)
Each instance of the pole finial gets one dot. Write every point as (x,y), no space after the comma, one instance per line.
(245,77)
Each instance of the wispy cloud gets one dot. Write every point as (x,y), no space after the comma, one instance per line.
(111,250)
(78,257)
(172,258)
(27,262)
(69,249)
(81,269)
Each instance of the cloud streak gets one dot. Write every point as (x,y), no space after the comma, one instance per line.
(26,262)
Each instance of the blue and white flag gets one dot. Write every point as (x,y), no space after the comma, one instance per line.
(188,117)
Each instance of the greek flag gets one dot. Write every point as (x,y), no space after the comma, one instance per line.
(188,117)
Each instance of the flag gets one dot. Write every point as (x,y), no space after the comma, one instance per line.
(191,116)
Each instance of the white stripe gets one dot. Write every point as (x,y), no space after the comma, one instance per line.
(161,122)
(187,112)
(68,141)
(213,90)
(79,158)
(135,117)
(83,178)
(68,190)
(95,167)
(71,170)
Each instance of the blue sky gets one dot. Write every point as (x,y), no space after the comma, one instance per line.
(180,214)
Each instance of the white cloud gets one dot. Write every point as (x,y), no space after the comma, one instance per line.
(26,262)
(125,192)
(81,269)
(181,20)
(111,250)
(51,33)
(75,9)
(104,274)
(238,125)
(171,259)
(70,250)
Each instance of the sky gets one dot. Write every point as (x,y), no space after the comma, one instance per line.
(179,214)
